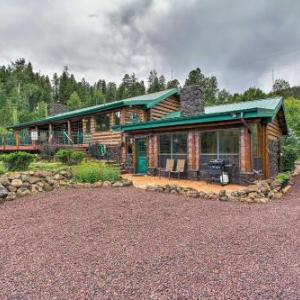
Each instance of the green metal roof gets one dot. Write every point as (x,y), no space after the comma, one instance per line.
(145,101)
(265,108)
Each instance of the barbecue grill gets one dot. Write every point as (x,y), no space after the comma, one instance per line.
(216,167)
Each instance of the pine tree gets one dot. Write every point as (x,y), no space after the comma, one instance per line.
(74,102)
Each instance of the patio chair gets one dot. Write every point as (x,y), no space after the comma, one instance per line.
(168,169)
(180,167)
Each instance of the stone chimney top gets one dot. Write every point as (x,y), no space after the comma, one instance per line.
(191,101)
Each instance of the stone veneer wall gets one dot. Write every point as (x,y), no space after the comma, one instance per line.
(191,101)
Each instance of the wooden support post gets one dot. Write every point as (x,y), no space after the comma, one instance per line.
(50,129)
(245,150)
(264,151)
(69,131)
(16,136)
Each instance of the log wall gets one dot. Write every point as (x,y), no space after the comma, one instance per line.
(165,107)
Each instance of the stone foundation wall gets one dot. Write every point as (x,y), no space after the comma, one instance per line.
(274,157)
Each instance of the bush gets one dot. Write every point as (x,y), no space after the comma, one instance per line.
(93,172)
(290,152)
(17,161)
(283,179)
(2,169)
(48,151)
(69,157)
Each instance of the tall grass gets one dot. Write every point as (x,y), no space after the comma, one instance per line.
(92,172)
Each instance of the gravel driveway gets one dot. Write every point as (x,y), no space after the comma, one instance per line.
(131,244)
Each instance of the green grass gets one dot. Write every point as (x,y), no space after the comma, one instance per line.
(92,172)
(2,168)
(46,166)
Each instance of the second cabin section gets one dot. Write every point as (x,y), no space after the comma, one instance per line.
(92,125)
(244,137)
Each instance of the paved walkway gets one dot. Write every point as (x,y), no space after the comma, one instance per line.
(201,186)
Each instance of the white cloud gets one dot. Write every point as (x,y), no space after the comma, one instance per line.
(239,42)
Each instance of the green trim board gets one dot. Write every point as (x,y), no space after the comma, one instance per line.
(266,109)
(145,101)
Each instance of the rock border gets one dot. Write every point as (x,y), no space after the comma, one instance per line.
(19,184)
(262,191)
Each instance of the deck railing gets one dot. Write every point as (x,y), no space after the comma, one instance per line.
(23,138)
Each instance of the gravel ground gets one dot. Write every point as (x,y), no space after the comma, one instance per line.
(131,244)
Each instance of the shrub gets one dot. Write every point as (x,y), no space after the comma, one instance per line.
(2,169)
(69,157)
(290,152)
(17,161)
(93,172)
(283,178)
(48,151)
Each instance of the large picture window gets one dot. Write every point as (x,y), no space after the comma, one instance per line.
(221,144)
(172,146)
(102,122)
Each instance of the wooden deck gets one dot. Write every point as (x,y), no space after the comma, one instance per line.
(36,148)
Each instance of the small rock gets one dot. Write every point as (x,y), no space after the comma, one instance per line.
(34,179)
(106,183)
(12,188)
(286,189)
(21,192)
(98,184)
(57,177)
(47,187)
(252,195)
(15,175)
(224,198)
(222,193)
(11,196)
(4,180)
(117,184)
(16,183)
(277,195)
(24,177)
(127,183)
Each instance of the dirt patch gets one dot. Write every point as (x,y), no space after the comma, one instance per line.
(126,243)
(201,186)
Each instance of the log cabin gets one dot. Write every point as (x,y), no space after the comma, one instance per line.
(142,132)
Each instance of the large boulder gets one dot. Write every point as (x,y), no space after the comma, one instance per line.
(3,192)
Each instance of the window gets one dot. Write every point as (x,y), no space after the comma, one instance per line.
(172,146)
(102,122)
(117,117)
(209,142)
(221,144)
(134,117)
(256,155)
(88,125)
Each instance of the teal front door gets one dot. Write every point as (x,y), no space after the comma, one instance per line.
(141,156)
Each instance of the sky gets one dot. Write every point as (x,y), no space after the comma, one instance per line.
(238,41)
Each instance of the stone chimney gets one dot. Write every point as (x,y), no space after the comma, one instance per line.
(191,101)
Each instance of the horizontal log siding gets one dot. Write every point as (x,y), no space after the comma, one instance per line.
(125,115)
(274,130)
(165,107)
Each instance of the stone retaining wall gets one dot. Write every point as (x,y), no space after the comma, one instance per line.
(260,192)
(19,184)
